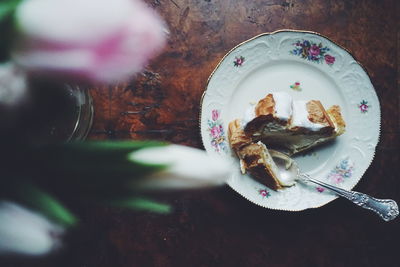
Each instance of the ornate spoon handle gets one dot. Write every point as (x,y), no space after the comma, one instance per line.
(387,209)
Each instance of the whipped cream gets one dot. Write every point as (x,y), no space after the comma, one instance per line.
(283,105)
(249,115)
(300,117)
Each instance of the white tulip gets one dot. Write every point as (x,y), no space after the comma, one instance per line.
(25,232)
(188,167)
(13,86)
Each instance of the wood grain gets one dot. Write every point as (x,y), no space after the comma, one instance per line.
(218,227)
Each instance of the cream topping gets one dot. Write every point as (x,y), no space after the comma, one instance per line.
(249,115)
(300,117)
(283,105)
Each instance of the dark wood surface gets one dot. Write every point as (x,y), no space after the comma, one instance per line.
(218,227)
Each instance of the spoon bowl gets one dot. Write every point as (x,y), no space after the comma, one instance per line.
(289,171)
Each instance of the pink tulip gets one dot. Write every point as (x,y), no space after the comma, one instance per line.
(89,40)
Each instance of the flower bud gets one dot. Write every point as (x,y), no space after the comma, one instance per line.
(87,40)
(188,168)
(13,85)
(25,232)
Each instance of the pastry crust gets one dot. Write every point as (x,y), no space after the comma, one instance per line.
(254,157)
(335,114)
(265,113)
(237,137)
(318,114)
(257,161)
(265,106)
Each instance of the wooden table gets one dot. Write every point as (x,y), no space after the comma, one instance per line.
(218,227)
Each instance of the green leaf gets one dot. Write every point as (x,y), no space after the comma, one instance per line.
(85,162)
(91,170)
(96,150)
(48,205)
(7,7)
(7,28)
(138,203)
(115,146)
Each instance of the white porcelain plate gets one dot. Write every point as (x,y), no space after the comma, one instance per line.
(307,66)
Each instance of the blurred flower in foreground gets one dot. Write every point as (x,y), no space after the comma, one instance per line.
(25,232)
(88,40)
(101,166)
(14,96)
(13,86)
(187,168)
(117,174)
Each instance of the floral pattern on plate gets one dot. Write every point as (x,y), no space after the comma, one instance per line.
(313,52)
(296,86)
(264,193)
(344,170)
(363,106)
(217,134)
(238,61)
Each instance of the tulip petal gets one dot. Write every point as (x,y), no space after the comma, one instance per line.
(73,59)
(188,168)
(90,41)
(72,21)
(25,232)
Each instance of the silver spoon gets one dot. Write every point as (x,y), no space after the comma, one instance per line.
(289,171)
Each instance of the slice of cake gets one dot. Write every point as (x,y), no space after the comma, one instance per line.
(273,111)
(305,124)
(279,122)
(257,161)
(254,158)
